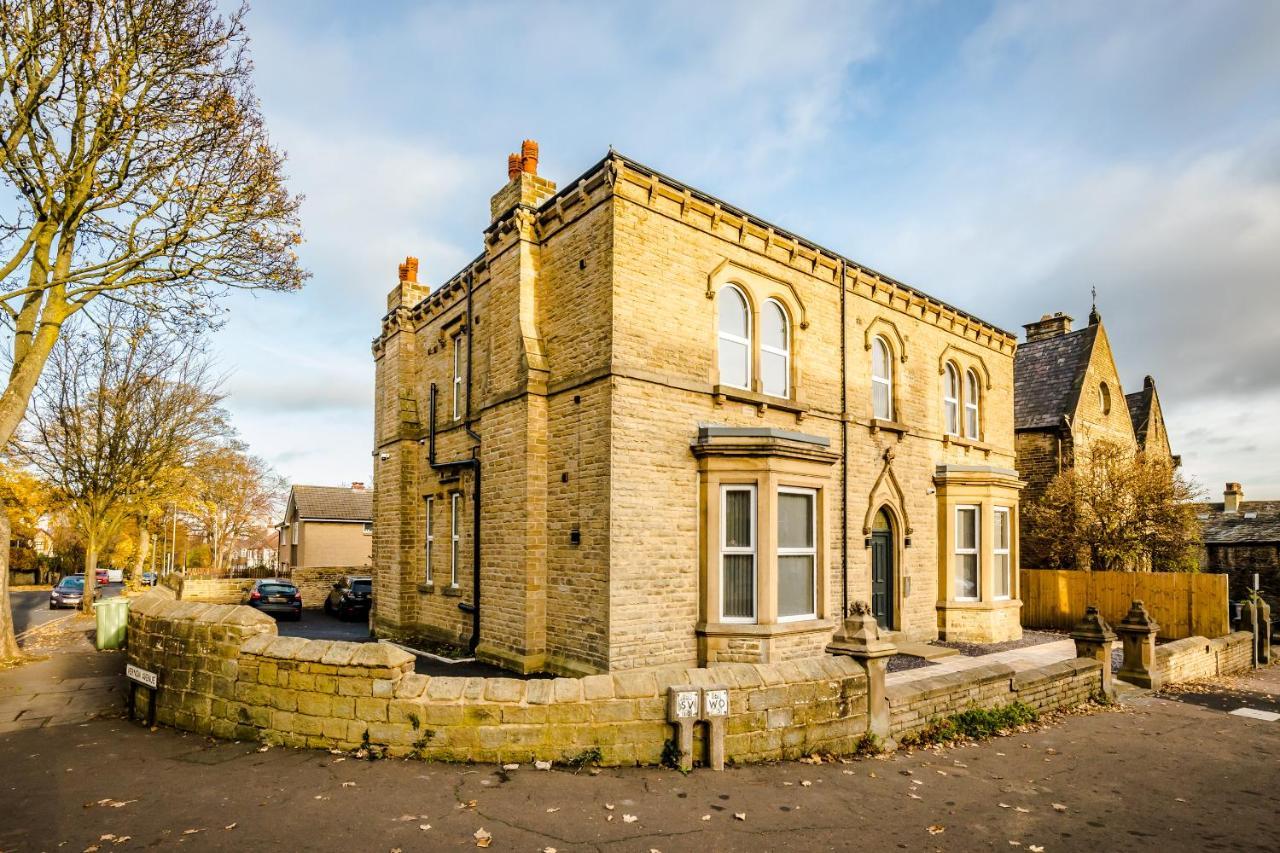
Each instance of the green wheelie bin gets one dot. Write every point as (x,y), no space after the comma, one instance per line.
(113,619)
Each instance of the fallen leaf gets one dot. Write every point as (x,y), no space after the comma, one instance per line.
(229,826)
(553,810)
(935,829)
(424,826)
(122,839)
(92,848)
(405,818)
(850,773)
(1059,807)
(264,747)
(192,831)
(1021,809)
(706,817)
(806,783)
(1035,848)
(549,850)
(609,806)
(542,765)
(1004,805)
(1015,843)
(740,815)
(110,836)
(511,767)
(348,784)
(629,818)
(914,796)
(482,838)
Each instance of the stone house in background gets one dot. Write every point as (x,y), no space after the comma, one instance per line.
(684,435)
(1067,395)
(1240,538)
(330,526)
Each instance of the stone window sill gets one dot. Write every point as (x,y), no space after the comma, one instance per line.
(961,441)
(427,588)
(991,604)
(453,591)
(741,395)
(775,629)
(878,424)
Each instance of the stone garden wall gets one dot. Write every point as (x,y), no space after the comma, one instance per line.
(314,582)
(1197,657)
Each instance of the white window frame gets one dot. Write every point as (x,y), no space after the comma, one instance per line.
(886,381)
(811,552)
(752,550)
(972,414)
(976,550)
(455,536)
(1006,552)
(457,376)
(431,538)
(367,528)
(293,532)
(729,336)
(785,352)
(951,400)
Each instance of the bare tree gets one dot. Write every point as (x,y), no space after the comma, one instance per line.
(234,494)
(139,169)
(122,405)
(1115,510)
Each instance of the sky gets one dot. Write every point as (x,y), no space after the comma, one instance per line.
(1005,157)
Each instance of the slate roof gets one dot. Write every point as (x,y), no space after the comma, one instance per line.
(334,503)
(1139,403)
(1234,528)
(1047,375)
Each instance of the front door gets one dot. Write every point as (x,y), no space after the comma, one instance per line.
(882,577)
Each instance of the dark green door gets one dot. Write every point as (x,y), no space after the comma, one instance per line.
(882,577)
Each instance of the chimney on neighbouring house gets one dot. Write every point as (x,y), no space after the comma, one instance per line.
(357,487)
(409,270)
(407,291)
(1232,497)
(1049,326)
(524,186)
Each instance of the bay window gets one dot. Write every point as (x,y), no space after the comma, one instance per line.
(797,554)
(738,553)
(966,553)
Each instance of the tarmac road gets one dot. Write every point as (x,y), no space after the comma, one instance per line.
(1174,773)
(31,607)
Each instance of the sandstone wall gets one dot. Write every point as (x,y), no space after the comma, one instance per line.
(1197,657)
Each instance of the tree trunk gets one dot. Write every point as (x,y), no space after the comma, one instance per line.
(144,548)
(8,642)
(90,573)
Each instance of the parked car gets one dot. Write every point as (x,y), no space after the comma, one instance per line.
(273,595)
(150,578)
(115,575)
(350,596)
(68,593)
(101,578)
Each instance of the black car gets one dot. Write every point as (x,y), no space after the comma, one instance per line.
(68,593)
(351,595)
(273,595)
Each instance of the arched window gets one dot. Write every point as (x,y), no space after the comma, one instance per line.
(951,401)
(1104,398)
(971,404)
(735,338)
(881,380)
(775,350)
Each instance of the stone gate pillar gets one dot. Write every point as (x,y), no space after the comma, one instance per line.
(859,638)
(1094,639)
(1138,631)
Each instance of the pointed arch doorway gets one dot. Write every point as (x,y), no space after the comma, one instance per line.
(882,570)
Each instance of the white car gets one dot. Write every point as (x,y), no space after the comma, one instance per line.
(115,575)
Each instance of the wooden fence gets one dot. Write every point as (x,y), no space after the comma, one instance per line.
(1184,604)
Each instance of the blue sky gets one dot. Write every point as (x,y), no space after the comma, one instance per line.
(1004,157)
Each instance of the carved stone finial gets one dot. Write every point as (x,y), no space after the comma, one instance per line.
(1093,628)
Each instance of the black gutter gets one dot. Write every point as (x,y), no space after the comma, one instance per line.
(844,450)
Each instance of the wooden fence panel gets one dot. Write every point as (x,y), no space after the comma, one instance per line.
(1183,604)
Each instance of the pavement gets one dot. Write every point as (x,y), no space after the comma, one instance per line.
(1173,772)
(68,682)
(1027,657)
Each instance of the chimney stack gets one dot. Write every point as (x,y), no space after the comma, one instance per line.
(357,487)
(1232,497)
(524,186)
(407,291)
(409,270)
(1049,326)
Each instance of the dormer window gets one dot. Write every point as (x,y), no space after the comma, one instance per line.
(735,338)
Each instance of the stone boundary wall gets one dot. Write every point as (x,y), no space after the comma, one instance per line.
(213,590)
(316,582)
(1065,684)
(1198,657)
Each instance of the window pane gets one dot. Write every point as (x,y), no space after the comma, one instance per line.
(971,419)
(739,585)
(737,519)
(953,418)
(1002,574)
(795,520)
(773,369)
(1002,530)
(733,312)
(953,383)
(734,363)
(966,528)
(774,326)
(967,575)
(879,359)
(880,401)
(795,585)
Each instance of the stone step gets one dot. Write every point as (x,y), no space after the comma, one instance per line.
(925,650)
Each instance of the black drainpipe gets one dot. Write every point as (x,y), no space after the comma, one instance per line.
(472,462)
(844,452)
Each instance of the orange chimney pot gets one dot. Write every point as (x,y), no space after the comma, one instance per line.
(529,156)
(513,166)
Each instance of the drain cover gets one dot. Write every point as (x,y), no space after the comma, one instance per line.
(1255,714)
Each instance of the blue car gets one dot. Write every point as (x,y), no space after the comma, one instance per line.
(150,578)
(275,596)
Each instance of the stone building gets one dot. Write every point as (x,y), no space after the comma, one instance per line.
(330,526)
(1242,538)
(1067,395)
(684,435)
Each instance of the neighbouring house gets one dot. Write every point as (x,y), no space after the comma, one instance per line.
(329,526)
(259,550)
(1067,394)
(1242,538)
(645,427)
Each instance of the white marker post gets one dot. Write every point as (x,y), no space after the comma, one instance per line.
(683,704)
(715,708)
